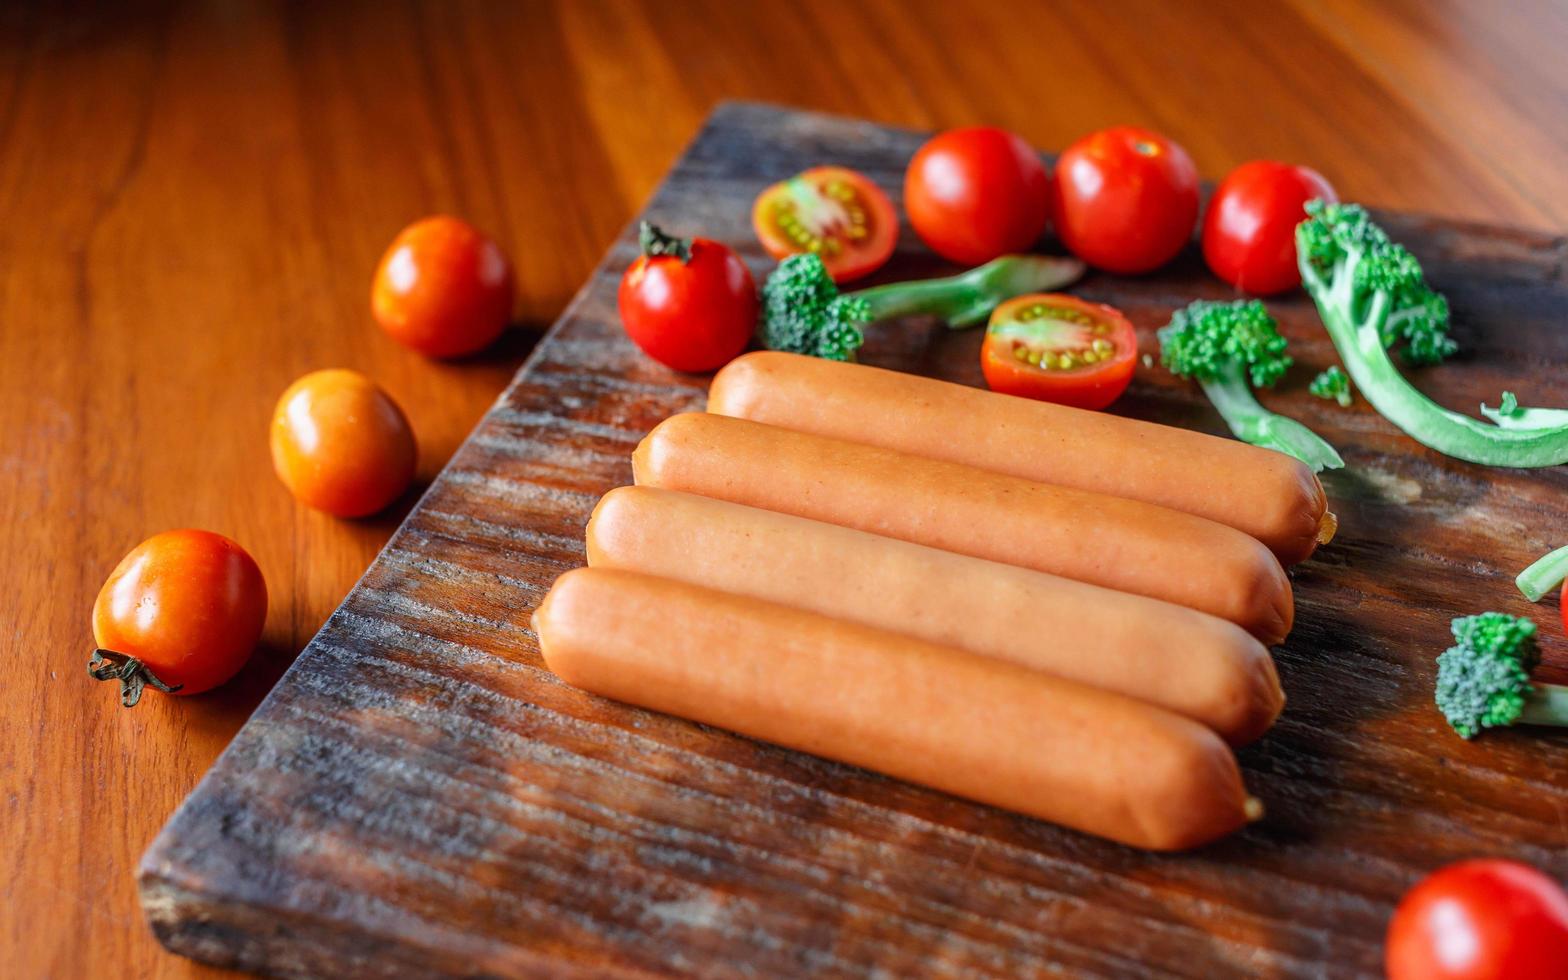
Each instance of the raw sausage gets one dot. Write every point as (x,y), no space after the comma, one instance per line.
(973,726)
(1267,494)
(1189,662)
(1120,544)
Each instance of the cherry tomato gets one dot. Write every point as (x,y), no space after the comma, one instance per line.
(186,606)
(833,211)
(341,444)
(443,288)
(1480,920)
(1249,233)
(975,194)
(1562,606)
(689,303)
(1059,349)
(1125,199)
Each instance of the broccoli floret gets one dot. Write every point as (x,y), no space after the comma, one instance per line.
(1498,634)
(1372,296)
(1332,383)
(803,311)
(1343,237)
(1224,346)
(1483,680)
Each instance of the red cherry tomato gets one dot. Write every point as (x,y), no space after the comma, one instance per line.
(975,194)
(341,444)
(443,288)
(1249,233)
(1480,920)
(1125,199)
(1562,606)
(689,303)
(188,606)
(1059,349)
(833,211)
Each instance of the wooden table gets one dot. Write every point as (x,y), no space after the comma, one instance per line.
(194,199)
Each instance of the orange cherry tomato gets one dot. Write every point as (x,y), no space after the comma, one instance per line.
(341,444)
(833,211)
(443,288)
(1059,349)
(185,607)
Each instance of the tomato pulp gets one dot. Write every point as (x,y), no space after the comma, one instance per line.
(832,211)
(1059,348)
(1249,233)
(1125,199)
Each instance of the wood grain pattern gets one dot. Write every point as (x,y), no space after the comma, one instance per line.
(194,195)
(419,794)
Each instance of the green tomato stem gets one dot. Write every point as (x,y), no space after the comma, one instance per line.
(1546,704)
(1544,574)
(1250,422)
(969,297)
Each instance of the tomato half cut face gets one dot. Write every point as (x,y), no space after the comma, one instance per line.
(832,211)
(1059,349)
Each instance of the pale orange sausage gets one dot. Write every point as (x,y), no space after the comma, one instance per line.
(1189,662)
(973,726)
(1267,494)
(1120,544)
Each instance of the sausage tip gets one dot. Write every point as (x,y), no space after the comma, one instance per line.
(1328,524)
(1252,808)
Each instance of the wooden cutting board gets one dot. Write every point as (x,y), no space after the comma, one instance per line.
(420,796)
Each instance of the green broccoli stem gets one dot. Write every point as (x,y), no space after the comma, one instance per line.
(1544,574)
(1250,422)
(1360,345)
(968,298)
(1528,418)
(1546,704)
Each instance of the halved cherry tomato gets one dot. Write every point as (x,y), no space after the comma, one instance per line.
(341,444)
(1484,919)
(977,193)
(833,211)
(182,612)
(1249,233)
(1125,199)
(443,288)
(1059,349)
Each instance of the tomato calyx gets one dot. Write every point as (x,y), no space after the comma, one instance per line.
(133,675)
(1055,338)
(655,243)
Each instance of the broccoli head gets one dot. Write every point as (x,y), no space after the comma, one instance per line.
(1331,383)
(1229,348)
(1344,249)
(1483,681)
(803,312)
(1208,339)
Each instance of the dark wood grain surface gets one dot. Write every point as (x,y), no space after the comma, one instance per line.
(419,794)
(194,196)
